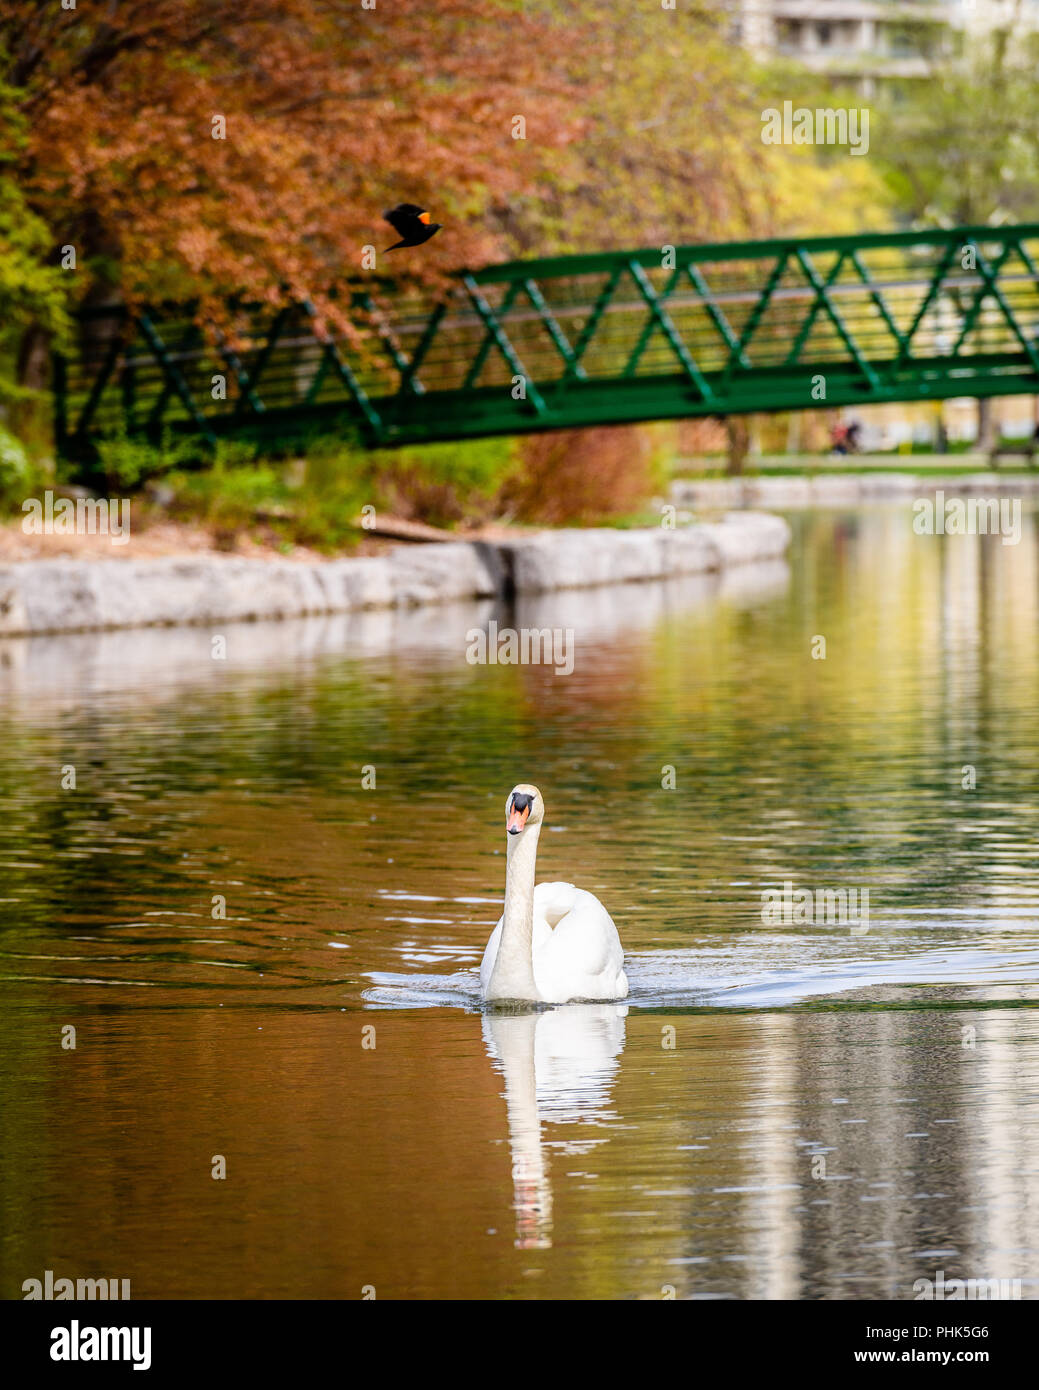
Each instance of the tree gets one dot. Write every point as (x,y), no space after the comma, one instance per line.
(963,147)
(671,150)
(670,147)
(192,149)
(200,147)
(32,293)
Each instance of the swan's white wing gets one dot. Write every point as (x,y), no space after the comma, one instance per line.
(552,901)
(582,957)
(490,955)
(577,952)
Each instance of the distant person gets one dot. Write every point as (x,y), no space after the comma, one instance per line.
(852,437)
(839,438)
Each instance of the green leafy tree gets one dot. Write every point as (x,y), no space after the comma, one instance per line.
(33,288)
(962,148)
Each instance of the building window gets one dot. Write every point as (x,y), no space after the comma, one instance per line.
(789,35)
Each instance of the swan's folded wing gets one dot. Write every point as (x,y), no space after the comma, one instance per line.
(490,955)
(586,944)
(553,901)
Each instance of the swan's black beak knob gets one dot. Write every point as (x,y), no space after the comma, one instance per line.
(519,810)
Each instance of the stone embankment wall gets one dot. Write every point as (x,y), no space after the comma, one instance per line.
(60,595)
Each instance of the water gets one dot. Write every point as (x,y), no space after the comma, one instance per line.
(801,1109)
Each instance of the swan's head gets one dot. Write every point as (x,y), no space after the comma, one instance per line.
(523,809)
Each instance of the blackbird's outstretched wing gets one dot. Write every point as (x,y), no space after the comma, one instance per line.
(403,217)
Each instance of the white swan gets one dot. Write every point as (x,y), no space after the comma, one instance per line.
(554,942)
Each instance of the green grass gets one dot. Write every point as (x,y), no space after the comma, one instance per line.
(779,465)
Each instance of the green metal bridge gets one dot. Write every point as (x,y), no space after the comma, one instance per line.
(581,340)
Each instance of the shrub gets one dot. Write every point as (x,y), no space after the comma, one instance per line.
(129,459)
(443,484)
(586,475)
(19,476)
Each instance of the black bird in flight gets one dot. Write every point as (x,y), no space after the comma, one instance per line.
(412,223)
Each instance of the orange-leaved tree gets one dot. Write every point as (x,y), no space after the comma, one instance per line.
(207,147)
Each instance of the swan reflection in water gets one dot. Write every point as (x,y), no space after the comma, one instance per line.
(559,1066)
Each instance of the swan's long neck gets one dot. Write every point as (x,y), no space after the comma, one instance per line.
(513,974)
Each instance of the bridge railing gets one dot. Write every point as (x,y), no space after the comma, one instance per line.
(579,340)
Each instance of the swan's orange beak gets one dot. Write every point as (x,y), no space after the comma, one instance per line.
(516,820)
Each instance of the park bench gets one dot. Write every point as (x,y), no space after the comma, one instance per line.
(1026,448)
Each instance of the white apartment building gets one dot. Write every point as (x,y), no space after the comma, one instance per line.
(863,42)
